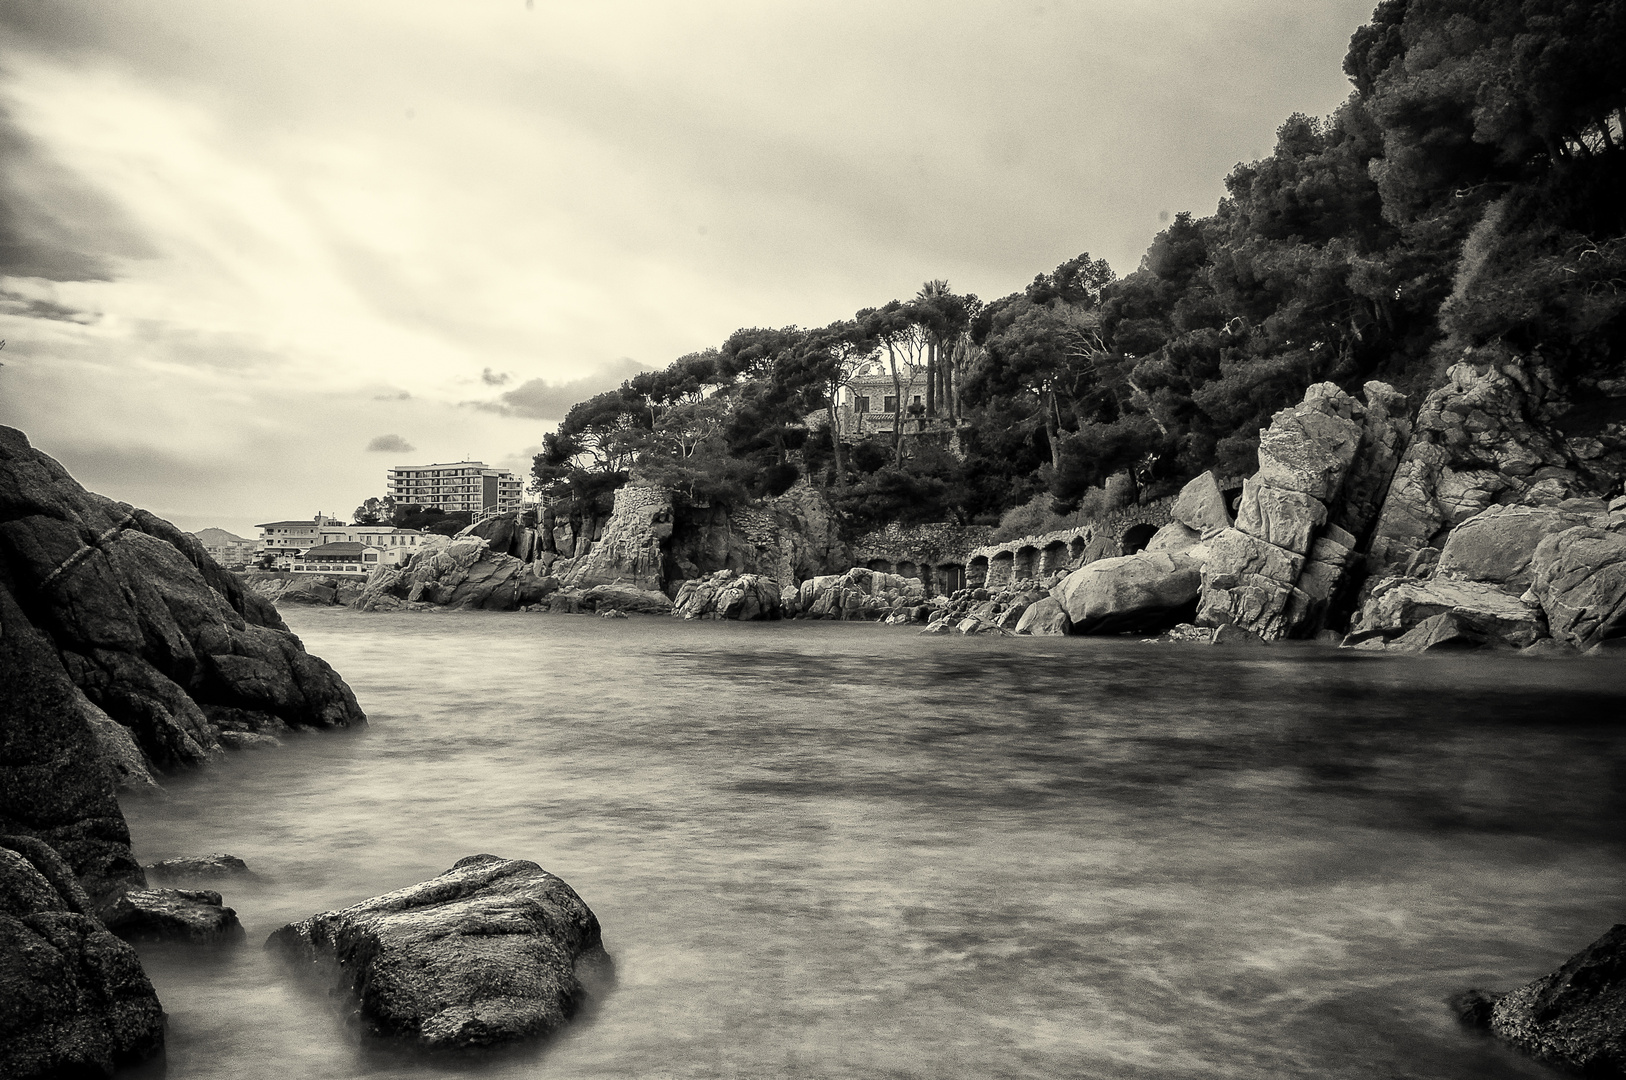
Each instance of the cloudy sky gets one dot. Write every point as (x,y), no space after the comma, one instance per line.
(254,253)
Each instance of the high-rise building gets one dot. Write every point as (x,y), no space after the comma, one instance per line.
(473,486)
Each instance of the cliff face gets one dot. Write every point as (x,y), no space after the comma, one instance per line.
(156,635)
(789,539)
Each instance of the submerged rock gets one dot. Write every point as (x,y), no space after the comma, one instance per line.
(1574,1017)
(197,916)
(490,951)
(198,866)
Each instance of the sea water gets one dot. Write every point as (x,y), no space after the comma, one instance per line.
(845,850)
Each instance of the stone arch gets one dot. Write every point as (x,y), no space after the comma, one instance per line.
(1053,557)
(999,568)
(1075,550)
(1026,563)
(976,572)
(1136,537)
(880,566)
(950,577)
(907,569)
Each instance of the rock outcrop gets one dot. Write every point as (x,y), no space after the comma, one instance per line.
(1574,1017)
(463,573)
(860,593)
(150,628)
(1483,438)
(787,539)
(73,998)
(629,551)
(490,951)
(1279,571)
(1580,583)
(725,595)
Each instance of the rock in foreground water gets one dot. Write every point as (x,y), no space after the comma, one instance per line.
(73,998)
(196,916)
(1574,1017)
(491,951)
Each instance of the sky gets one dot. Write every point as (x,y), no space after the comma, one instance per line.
(254,254)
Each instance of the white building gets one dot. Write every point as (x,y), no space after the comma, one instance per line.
(283,538)
(338,558)
(472,486)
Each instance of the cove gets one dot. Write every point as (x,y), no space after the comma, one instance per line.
(844,850)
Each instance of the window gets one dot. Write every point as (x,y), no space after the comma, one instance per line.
(891,403)
(861,404)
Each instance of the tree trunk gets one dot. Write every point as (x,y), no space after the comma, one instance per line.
(835,443)
(897,407)
(1050,414)
(930,378)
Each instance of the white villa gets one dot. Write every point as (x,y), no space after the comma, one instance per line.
(290,543)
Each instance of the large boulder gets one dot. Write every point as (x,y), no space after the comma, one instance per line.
(1200,506)
(1310,446)
(1397,605)
(1499,544)
(73,998)
(1045,618)
(154,632)
(1580,583)
(1288,519)
(1133,594)
(625,598)
(490,951)
(1575,1017)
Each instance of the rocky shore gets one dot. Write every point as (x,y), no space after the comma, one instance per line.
(1475,523)
(125,652)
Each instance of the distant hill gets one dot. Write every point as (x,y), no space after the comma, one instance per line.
(218,537)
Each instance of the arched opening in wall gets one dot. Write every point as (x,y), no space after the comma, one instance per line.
(1053,557)
(1136,537)
(1026,563)
(907,569)
(976,572)
(951,577)
(999,568)
(1075,550)
(880,566)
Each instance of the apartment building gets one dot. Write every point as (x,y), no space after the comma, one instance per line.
(283,538)
(473,486)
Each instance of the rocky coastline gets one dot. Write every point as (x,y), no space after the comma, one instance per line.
(126,653)
(1472,522)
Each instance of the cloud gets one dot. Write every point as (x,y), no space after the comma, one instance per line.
(493,378)
(539,399)
(399,395)
(390,444)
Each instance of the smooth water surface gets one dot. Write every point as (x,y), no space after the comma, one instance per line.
(842,850)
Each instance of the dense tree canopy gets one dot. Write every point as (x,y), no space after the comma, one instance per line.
(1471,190)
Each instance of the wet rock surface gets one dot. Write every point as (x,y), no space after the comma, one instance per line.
(193,867)
(73,998)
(491,951)
(1574,1017)
(195,916)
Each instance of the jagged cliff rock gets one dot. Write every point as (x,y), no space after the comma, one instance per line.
(1278,571)
(1486,437)
(790,539)
(630,550)
(154,632)
(860,593)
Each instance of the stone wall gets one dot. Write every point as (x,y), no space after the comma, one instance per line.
(1116,533)
(934,553)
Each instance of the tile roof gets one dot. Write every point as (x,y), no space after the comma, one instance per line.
(332,551)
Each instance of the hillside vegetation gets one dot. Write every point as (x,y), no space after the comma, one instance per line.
(1469,194)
